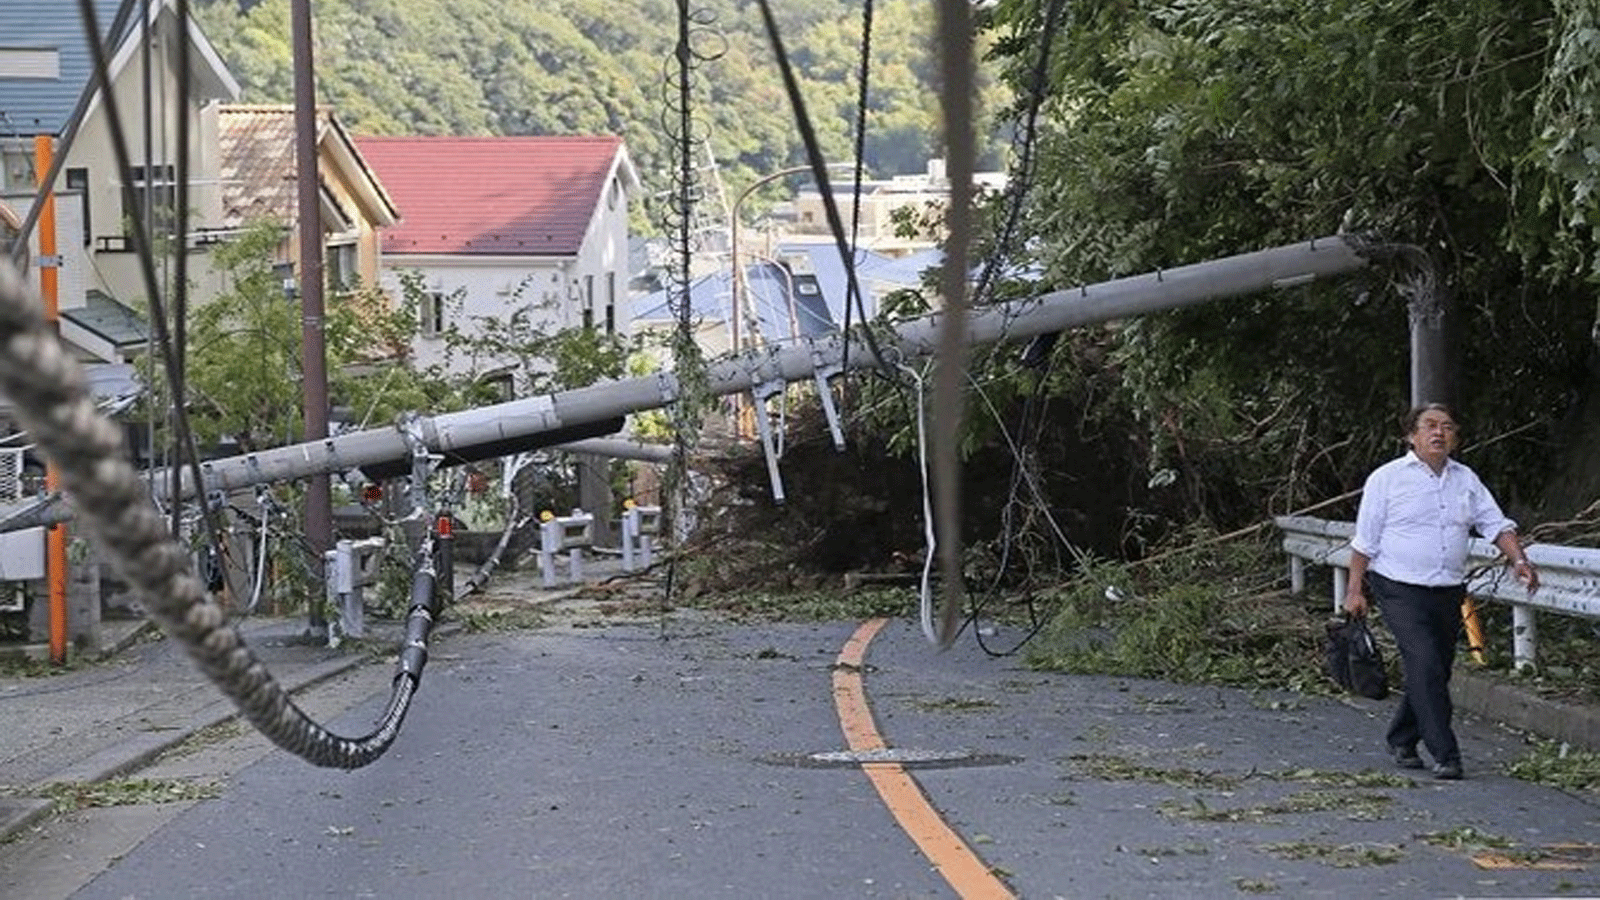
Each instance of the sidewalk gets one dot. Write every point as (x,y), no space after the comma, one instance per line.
(145,696)
(112,718)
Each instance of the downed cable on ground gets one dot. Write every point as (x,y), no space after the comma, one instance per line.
(52,401)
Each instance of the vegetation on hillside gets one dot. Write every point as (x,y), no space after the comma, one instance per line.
(476,67)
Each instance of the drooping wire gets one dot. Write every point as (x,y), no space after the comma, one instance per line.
(52,401)
(819,170)
(930,538)
(180,283)
(679,124)
(1020,184)
(1037,353)
(142,247)
(1022,477)
(853,299)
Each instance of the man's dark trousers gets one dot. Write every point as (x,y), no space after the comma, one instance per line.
(1425,622)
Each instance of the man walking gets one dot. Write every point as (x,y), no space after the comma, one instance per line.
(1409,554)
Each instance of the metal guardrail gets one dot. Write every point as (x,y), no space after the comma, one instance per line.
(1569,577)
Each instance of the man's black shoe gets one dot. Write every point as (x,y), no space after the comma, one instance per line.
(1447,771)
(1406,757)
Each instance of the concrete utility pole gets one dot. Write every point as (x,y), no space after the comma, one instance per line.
(550,419)
(1433,346)
(313,363)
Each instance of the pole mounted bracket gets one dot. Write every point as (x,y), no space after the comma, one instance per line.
(422,462)
(824,371)
(760,392)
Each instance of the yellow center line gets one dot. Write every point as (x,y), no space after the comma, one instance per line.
(950,855)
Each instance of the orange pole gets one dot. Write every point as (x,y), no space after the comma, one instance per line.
(1469,617)
(55,535)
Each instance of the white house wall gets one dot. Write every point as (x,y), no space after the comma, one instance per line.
(605,255)
(556,287)
(117,272)
(490,287)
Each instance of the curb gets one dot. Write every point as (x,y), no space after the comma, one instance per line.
(21,812)
(1525,711)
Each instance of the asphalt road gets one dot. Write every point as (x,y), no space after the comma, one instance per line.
(691,758)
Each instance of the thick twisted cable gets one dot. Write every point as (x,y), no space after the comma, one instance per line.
(53,403)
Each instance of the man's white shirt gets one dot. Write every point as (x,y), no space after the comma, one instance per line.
(1413,523)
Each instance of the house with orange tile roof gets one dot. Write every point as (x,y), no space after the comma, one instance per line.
(257,161)
(531,229)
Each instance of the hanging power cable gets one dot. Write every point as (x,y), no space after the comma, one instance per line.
(52,401)
(819,171)
(853,298)
(143,249)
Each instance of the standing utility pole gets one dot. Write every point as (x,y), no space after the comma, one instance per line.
(319,499)
(49,285)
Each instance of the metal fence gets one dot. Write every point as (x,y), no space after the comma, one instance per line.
(1569,577)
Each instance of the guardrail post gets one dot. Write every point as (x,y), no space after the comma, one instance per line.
(1297,575)
(549,543)
(1341,584)
(639,524)
(340,563)
(350,566)
(1524,637)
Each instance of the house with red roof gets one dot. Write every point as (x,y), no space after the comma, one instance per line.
(528,233)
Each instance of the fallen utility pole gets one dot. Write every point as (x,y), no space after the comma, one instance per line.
(506,428)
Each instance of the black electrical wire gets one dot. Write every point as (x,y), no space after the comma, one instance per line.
(853,299)
(53,402)
(142,247)
(819,170)
(1037,355)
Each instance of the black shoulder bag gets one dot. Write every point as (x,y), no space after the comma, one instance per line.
(1352,659)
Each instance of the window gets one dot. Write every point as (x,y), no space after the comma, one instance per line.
(78,180)
(27,62)
(611,303)
(588,302)
(150,197)
(341,267)
(432,314)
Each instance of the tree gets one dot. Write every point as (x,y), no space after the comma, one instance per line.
(1176,132)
